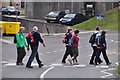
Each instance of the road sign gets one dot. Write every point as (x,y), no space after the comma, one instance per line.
(100,17)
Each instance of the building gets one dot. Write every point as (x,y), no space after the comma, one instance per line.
(12,3)
(38,10)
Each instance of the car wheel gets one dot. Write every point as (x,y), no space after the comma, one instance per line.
(48,21)
(9,13)
(18,13)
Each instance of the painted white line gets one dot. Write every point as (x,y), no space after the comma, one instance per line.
(87,32)
(61,50)
(107,73)
(76,66)
(48,52)
(14,64)
(115,41)
(56,65)
(81,65)
(54,51)
(10,64)
(102,67)
(6,41)
(90,55)
(4,62)
(117,63)
(42,76)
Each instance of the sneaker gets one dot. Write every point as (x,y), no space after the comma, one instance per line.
(109,63)
(100,62)
(63,62)
(91,63)
(19,64)
(95,64)
(29,66)
(22,63)
(41,65)
(70,61)
(76,63)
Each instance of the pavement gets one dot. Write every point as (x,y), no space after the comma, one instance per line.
(52,55)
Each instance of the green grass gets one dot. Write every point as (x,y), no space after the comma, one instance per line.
(118,71)
(22,12)
(110,22)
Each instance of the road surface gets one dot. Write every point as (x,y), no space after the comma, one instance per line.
(52,55)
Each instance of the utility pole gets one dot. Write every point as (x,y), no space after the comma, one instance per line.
(72,6)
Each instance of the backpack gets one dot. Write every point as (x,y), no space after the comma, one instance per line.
(92,38)
(64,40)
(30,38)
(15,40)
(98,40)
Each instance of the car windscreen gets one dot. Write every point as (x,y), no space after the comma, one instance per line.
(11,8)
(70,16)
(53,13)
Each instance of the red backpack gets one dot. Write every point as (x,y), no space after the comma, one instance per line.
(30,38)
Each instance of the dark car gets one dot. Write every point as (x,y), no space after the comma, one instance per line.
(72,19)
(55,16)
(9,10)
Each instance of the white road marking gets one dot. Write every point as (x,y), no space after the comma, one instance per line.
(42,76)
(117,63)
(115,41)
(64,33)
(61,50)
(56,65)
(81,65)
(4,62)
(102,67)
(107,73)
(14,64)
(6,41)
(76,66)
(90,55)
(10,64)
(48,52)
(54,51)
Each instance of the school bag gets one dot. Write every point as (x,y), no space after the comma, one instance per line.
(92,38)
(30,38)
(64,39)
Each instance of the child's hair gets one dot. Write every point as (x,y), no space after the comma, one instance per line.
(69,30)
(76,31)
(103,32)
(98,28)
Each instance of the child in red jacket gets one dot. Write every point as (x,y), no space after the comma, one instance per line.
(75,42)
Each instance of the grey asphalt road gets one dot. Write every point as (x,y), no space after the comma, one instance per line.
(51,56)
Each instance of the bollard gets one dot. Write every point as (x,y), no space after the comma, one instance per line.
(47,29)
(0,32)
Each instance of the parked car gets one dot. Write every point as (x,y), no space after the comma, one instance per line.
(55,16)
(9,10)
(72,19)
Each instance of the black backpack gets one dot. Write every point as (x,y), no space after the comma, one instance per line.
(15,40)
(92,38)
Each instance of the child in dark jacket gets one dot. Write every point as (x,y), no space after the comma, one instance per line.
(102,49)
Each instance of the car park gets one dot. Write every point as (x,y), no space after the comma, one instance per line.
(55,16)
(9,10)
(72,19)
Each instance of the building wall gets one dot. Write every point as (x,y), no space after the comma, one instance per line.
(6,3)
(39,10)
